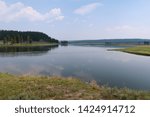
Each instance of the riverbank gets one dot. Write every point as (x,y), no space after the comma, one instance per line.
(139,50)
(29,45)
(41,87)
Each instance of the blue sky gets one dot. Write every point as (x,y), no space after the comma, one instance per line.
(78,19)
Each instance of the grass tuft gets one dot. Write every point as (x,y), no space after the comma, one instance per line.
(40,87)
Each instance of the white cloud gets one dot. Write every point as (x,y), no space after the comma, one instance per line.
(87,8)
(127,31)
(123,28)
(18,11)
(91,25)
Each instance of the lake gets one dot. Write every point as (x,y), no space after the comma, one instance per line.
(113,68)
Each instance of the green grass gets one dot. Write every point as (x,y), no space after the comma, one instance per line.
(139,50)
(40,87)
(29,45)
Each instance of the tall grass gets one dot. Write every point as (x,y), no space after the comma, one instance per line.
(40,87)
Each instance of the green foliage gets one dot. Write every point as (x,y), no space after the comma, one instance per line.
(139,50)
(17,37)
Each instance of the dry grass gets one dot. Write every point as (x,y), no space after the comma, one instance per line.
(40,87)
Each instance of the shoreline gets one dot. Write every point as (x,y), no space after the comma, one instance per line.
(30,45)
(60,88)
(137,50)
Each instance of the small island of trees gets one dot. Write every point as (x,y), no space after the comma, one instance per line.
(28,37)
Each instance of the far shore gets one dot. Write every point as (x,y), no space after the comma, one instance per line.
(28,45)
(138,50)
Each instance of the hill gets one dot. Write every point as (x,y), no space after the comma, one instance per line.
(112,42)
(15,37)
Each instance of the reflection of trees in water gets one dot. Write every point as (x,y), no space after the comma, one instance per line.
(25,51)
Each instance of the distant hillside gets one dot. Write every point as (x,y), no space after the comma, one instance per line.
(12,37)
(111,41)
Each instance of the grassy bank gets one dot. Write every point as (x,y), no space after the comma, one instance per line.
(139,50)
(28,45)
(40,87)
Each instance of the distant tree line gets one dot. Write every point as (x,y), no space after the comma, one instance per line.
(15,37)
(64,43)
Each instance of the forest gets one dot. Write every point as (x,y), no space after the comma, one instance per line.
(17,37)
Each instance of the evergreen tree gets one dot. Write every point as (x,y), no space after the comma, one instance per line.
(13,37)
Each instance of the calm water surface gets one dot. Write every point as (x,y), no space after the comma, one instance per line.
(87,63)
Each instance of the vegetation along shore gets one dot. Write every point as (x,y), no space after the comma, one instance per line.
(42,87)
(25,39)
(139,50)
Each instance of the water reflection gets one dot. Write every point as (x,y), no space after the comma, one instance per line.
(114,68)
(25,51)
